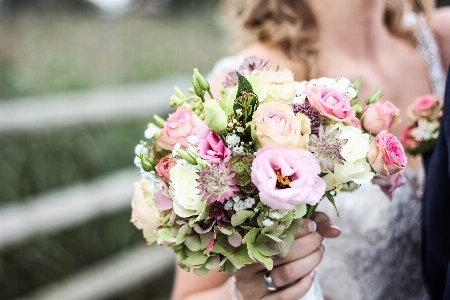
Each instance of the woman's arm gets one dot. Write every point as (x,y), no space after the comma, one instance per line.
(441,27)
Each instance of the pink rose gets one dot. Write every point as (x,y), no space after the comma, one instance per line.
(407,139)
(211,147)
(381,115)
(178,127)
(163,167)
(427,106)
(389,184)
(144,214)
(275,123)
(286,178)
(330,103)
(386,154)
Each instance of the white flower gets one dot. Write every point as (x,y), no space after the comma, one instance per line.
(238,150)
(192,139)
(152,131)
(350,92)
(299,99)
(238,111)
(240,205)
(186,198)
(267,222)
(174,151)
(426,130)
(341,85)
(300,87)
(240,129)
(228,205)
(140,149)
(249,202)
(233,140)
(355,167)
(137,162)
(327,82)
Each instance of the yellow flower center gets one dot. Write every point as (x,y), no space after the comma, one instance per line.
(282,182)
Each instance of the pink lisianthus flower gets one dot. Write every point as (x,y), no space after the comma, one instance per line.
(428,106)
(330,103)
(381,115)
(389,184)
(163,167)
(178,127)
(211,148)
(162,197)
(386,154)
(286,178)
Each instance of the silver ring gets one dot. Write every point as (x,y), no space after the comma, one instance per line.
(269,282)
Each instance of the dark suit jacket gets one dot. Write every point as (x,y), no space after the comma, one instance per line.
(436,210)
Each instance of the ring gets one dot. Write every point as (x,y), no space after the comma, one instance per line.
(269,282)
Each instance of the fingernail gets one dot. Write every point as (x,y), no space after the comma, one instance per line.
(312,226)
(313,273)
(322,248)
(334,227)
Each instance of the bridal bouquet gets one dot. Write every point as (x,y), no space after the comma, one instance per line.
(425,114)
(227,180)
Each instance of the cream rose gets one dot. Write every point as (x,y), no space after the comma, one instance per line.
(275,123)
(186,199)
(144,214)
(355,167)
(279,84)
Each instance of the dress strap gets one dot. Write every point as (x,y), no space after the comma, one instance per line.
(429,50)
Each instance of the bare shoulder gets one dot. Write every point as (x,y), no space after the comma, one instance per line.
(441,27)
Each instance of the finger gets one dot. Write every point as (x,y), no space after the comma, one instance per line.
(296,291)
(324,225)
(308,227)
(285,274)
(301,247)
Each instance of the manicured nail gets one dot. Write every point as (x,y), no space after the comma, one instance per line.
(313,273)
(312,226)
(322,248)
(334,227)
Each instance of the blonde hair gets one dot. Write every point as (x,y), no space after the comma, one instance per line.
(291,25)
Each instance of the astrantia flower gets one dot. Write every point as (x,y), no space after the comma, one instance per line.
(216,210)
(217,183)
(250,64)
(326,147)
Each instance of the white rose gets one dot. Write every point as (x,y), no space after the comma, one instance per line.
(186,198)
(144,214)
(279,85)
(355,167)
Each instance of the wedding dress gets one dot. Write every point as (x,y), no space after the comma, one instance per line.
(377,255)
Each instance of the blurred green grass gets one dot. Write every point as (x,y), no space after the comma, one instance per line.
(47,53)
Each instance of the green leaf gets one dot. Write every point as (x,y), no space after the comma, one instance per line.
(262,238)
(240,216)
(331,199)
(276,229)
(196,259)
(165,235)
(285,246)
(300,211)
(267,249)
(296,226)
(193,242)
(240,257)
(235,239)
(228,268)
(225,230)
(250,239)
(213,262)
(205,239)
(243,85)
(201,271)
(275,238)
(266,261)
(182,232)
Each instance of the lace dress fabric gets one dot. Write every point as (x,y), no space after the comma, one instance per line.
(377,255)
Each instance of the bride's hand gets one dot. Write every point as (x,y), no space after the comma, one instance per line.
(293,274)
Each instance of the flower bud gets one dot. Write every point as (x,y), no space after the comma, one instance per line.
(374,98)
(191,90)
(188,156)
(159,121)
(357,85)
(197,89)
(215,117)
(147,163)
(179,93)
(358,109)
(204,84)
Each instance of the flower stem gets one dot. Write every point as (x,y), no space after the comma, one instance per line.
(310,211)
